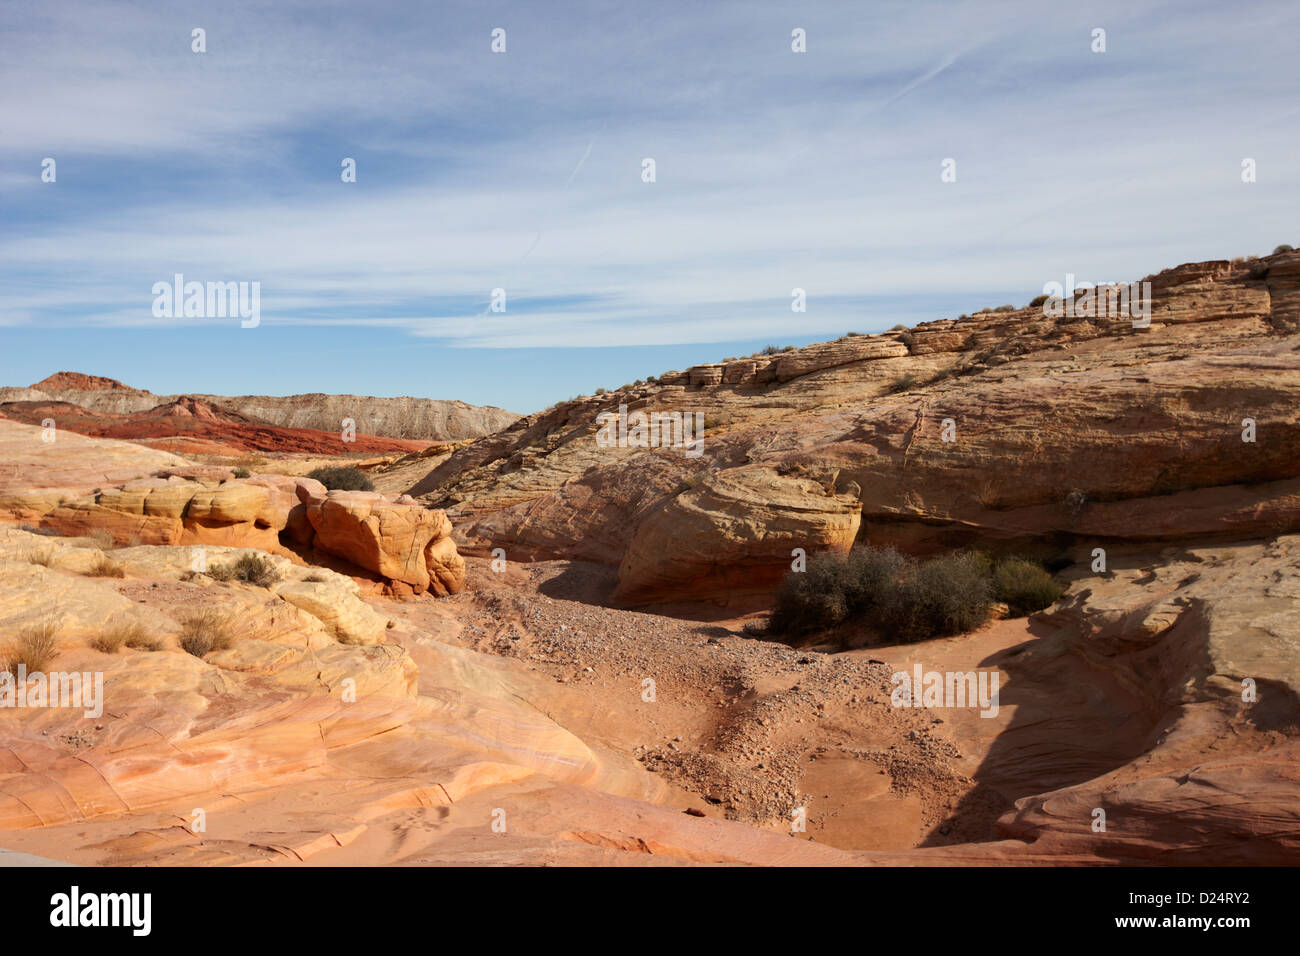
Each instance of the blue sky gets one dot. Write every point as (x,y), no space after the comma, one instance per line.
(522,171)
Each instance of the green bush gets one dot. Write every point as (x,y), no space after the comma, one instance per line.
(836,587)
(906,600)
(242,472)
(1024,586)
(342,478)
(1036,301)
(814,599)
(1282,248)
(946,595)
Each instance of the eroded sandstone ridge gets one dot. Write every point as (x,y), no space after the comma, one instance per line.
(1062,429)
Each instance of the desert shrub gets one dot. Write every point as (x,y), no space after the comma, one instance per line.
(834,588)
(42,556)
(1075,500)
(787,348)
(873,572)
(34,648)
(1024,587)
(902,383)
(902,599)
(342,478)
(241,472)
(602,391)
(908,339)
(814,599)
(206,631)
(106,567)
(315,579)
(1258,269)
(770,350)
(249,568)
(945,595)
(1036,301)
(1282,248)
(1005,308)
(43,532)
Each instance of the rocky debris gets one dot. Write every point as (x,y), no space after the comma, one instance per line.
(732,720)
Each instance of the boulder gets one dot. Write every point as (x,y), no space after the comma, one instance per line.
(733,534)
(401,542)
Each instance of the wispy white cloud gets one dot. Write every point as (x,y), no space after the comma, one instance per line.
(775,170)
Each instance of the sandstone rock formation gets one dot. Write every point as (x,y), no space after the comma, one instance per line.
(344,727)
(1204,641)
(400,540)
(1009,430)
(178,504)
(415,419)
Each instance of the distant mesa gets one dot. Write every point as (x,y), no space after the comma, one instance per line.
(84,383)
(410,422)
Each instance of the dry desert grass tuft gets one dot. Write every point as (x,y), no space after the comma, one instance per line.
(121,634)
(249,568)
(203,632)
(34,648)
(106,567)
(42,556)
